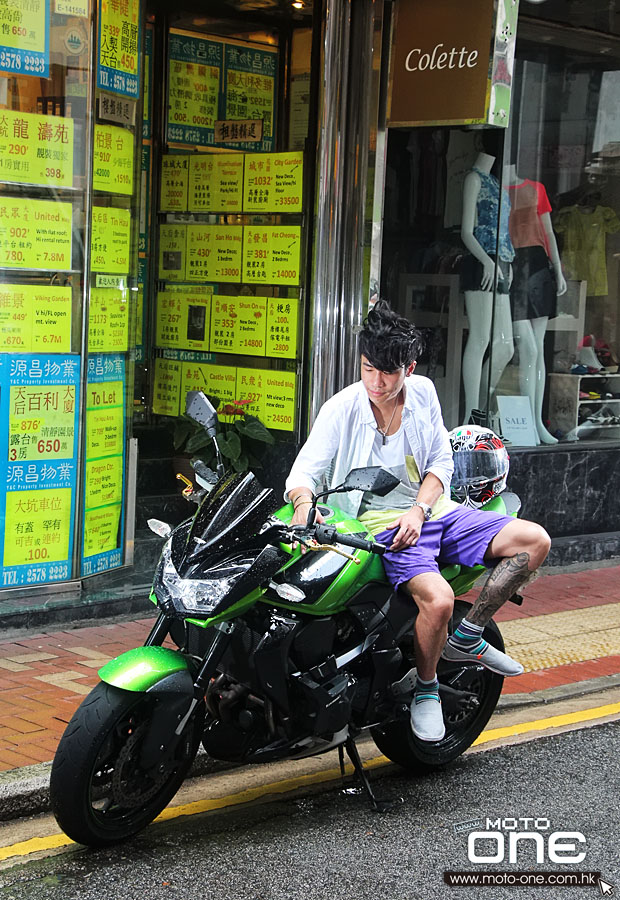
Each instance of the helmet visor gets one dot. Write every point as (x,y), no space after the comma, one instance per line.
(478,466)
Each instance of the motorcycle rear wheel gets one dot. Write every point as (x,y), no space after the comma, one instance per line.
(99,794)
(397,741)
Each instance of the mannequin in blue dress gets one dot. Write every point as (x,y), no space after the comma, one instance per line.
(481,202)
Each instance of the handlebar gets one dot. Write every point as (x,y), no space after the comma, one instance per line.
(329,534)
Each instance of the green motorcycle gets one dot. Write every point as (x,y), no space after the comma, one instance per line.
(280,654)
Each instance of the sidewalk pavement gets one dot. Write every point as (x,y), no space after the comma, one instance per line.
(566,633)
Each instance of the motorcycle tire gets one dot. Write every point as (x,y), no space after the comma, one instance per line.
(98,792)
(397,741)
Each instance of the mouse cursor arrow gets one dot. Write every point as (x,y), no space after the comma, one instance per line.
(605,887)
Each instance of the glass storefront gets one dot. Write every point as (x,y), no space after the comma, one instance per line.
(193,201)
(154,238)
(504,243)
(68,186)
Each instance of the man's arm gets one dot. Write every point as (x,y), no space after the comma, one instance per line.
(410,523)
(440,461)
(313,461)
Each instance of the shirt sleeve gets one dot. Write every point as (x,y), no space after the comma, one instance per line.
(440,462)
(612,223)
(560,220)
(314,458)
(543,200)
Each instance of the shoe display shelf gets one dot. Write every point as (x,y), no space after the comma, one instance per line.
(567,410)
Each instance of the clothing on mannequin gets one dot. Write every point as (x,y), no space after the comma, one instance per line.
(584,254)
(538,281)
(479,232)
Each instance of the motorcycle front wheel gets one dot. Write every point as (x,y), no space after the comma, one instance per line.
(98,791)
(463,722)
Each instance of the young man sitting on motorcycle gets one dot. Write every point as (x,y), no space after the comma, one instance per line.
(392,418)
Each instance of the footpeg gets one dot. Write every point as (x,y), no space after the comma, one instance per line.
(406,685)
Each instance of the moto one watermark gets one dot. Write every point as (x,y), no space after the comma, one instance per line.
(502,839)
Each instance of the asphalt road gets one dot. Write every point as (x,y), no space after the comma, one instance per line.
(331,845)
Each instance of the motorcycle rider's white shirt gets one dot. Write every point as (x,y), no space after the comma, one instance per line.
(343,433)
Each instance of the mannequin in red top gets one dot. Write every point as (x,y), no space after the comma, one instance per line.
(537,282)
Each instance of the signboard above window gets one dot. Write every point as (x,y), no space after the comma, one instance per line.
(449,68)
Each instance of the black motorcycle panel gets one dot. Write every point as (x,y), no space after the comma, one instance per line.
(314,642)
(314,572)
(271,659)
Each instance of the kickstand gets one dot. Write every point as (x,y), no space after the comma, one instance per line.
(341,761)
(377,805)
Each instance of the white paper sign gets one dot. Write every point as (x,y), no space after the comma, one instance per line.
(517,421)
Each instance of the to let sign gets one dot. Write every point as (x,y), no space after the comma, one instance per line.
(451,68)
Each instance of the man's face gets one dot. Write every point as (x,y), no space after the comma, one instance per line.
(382,387)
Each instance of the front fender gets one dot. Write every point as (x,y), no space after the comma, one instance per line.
(143,668)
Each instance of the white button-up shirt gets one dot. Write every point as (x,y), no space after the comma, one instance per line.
(342,436)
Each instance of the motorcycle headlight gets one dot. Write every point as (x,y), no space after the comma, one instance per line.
(188,594)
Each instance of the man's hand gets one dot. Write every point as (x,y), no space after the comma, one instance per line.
(300,517)
(409,527)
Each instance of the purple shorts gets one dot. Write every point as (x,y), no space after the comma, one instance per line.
(460,536)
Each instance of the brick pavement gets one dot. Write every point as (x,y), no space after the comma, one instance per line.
(567,630)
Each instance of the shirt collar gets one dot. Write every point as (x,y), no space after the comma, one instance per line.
(367,413)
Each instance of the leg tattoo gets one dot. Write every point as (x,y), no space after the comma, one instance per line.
(505,579)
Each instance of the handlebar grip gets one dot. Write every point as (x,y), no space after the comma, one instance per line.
(328,534)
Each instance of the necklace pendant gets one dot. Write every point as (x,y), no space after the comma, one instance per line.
(383,439)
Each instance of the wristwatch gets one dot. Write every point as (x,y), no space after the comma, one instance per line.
(426,509)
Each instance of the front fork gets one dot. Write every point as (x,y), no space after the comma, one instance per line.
(208,669)
(163,737)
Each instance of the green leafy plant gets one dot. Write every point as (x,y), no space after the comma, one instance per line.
(242,442)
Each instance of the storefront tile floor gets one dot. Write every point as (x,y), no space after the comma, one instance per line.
(566,631)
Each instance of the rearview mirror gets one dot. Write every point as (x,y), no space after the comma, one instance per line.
(201,410)
(374,479)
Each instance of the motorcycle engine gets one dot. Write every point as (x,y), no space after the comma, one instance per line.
(236,722)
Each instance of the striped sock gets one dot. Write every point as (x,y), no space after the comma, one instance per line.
(468,637)
(426,690)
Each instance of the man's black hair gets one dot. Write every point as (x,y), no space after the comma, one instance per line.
(387,340)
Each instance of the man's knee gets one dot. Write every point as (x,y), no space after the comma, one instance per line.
(434,598)
(536,542)
(521,536)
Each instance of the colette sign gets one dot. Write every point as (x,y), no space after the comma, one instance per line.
(451,68)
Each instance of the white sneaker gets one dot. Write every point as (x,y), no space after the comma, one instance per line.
(427,720)
(490,658)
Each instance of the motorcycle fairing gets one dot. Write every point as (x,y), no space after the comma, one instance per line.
(237,507)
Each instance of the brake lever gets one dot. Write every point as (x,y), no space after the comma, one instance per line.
(337,550)
(317,547)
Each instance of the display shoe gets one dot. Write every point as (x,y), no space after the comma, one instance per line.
(586,355)
(427,720)
(489,657)
(477,417)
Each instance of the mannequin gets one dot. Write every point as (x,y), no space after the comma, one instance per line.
(481,198)
(534,290)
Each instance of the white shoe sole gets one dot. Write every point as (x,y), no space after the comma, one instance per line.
(453,654)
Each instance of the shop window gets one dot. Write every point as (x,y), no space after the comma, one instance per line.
(229,267)
(503,244)
(562,176)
